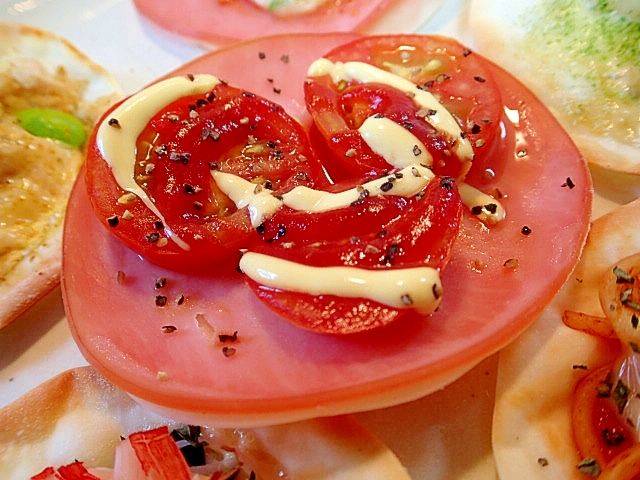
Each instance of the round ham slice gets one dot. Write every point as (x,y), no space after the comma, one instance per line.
(498,281)
(222,21)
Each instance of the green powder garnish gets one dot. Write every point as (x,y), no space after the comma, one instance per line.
(591,54)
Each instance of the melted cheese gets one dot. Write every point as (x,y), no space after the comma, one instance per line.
(593,86)
(37,175)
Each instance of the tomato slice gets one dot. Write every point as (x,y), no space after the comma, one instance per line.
(227,129)
(461,81)
(497,281)
(422,234)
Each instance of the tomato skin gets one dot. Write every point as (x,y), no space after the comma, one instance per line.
(48,473)
(423,235)
(231,131)
(461,82)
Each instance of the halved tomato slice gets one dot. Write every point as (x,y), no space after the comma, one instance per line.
(225,129)
(422,235)
(459,80)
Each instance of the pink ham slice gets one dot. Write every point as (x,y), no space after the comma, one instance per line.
(496,284)
(222,21)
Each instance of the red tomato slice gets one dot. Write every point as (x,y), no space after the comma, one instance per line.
(461,81)
(234,132)
(222,21)
(223,356)
(423,235)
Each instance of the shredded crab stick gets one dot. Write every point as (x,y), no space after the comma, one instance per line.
(144,455)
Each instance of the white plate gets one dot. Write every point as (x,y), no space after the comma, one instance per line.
(443,436)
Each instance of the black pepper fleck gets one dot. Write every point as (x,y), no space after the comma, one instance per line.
(226,337)
(228,351)
(386,186)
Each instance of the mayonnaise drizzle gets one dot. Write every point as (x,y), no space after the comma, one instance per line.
(419,288)
(441,118)
(407,182)
(262,203)
(117,136)
(393,142)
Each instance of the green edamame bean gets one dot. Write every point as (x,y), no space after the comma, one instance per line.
(50,123)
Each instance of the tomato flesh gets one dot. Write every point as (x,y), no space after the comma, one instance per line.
(422,236)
